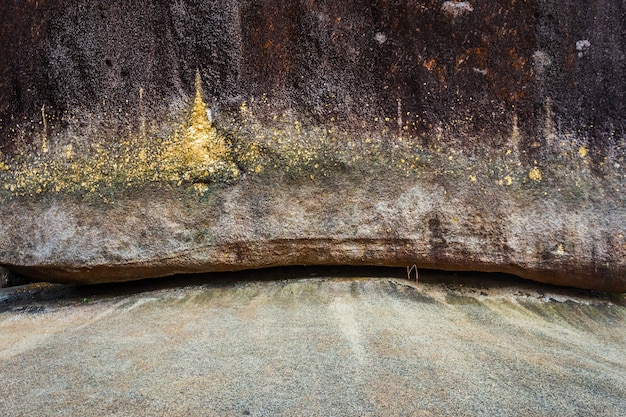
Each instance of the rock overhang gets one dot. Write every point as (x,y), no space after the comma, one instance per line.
(456,135)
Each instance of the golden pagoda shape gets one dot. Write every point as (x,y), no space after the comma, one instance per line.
(204,152)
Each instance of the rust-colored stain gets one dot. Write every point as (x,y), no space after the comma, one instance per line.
(430,64)
(272,35)
(472,56)
(440,71)
(441,74)
(570,61)
(517,62)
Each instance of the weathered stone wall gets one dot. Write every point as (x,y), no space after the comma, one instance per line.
(146,138)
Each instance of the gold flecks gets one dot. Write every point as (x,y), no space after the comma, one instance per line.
(197,152)
(582,151)
(44,134)
(201,188)
(535,174)
(560,250)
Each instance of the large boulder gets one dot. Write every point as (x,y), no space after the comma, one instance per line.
(144,138)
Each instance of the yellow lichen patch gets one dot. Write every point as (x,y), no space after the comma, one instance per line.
(189,149)
(198,149)
(535,174)
(201,188)
(3,166)
(68,152)
(195,152)
(582,151)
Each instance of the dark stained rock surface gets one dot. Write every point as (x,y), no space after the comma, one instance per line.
(145,138)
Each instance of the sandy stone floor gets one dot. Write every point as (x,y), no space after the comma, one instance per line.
(312,341)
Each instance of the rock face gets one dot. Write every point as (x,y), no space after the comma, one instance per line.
(144,138)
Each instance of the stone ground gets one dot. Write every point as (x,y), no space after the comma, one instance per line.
(312,341)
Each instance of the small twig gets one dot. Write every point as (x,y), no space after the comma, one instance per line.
(409,269)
